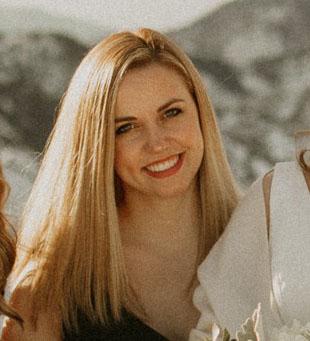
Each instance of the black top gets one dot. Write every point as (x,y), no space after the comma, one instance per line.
(130,328)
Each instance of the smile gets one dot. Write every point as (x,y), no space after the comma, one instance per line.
(166,167)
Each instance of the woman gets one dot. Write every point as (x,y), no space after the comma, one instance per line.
(133,191)
(263,255)
(7,252)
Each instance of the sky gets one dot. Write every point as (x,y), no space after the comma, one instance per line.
(122,14)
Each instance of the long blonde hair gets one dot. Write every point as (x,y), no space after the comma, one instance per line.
(7,251)
(70,226)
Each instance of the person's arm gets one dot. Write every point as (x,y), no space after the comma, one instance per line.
(307,177)
(48,326)
(235,276)
(267,189)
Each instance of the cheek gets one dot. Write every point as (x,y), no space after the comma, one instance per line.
(124,159)
(196,141)
(193,134)
(198,144)
(118,159)
(199,137)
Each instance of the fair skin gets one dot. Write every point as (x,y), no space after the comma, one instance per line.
(267,190)
(47,326)
(160,213)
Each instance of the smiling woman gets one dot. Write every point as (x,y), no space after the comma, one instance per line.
(163,139)
(133,191)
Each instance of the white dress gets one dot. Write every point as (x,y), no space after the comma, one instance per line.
(246,266)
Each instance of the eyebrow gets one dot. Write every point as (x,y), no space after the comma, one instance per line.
(125,118)
(161,108)
(167,104)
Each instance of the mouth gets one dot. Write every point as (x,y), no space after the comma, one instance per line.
(166,167)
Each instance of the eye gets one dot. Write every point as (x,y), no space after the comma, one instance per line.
(124,128)
(172,112)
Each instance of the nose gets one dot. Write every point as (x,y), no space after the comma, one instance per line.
(156,140)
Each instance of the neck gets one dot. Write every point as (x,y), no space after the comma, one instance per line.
(168,225)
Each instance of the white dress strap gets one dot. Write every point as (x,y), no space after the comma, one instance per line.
(302,147)
(230,274)
(290,242)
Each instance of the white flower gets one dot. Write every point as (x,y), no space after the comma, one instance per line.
(297,332)
(250,330)
(217,334)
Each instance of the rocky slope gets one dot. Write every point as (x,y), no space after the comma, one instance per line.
(34,72)
(254,57)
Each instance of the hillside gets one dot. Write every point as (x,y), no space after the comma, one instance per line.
(34,72)
(254,57)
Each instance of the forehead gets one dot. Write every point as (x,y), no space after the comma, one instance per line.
(151,85)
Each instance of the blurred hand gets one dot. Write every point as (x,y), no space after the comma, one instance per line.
(48,326)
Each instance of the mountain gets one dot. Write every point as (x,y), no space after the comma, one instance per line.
(35,69)
(254,57)
(17,20)
(256,22)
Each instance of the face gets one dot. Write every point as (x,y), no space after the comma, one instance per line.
(159,145)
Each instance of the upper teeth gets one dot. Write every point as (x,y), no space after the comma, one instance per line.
(162,166)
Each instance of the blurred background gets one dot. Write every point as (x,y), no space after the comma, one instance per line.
(254,56)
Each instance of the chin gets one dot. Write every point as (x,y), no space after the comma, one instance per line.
(169,192)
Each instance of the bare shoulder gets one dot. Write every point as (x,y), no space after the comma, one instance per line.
(307,177)
(267,181)
(267,184)
(47,328)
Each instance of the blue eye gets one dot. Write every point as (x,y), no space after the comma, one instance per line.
(172,112)
(124,128)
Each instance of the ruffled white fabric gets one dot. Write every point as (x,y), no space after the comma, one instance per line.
(244,268)
(290,242)
(253,330)
(236,275)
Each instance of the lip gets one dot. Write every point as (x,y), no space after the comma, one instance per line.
(166,173)
(161,160)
